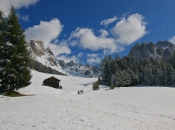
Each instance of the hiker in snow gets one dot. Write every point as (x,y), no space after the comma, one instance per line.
(78,92)
(81,91)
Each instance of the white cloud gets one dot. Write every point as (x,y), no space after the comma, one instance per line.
(23,17)
(73,43)
(130,30)
(5,5)
(109,21)
(80,54)
(104,33)
(86,38)
(67,58)
(92,55)
(125,32)
(172,40)
(59,49)
(48,32)
(93,58)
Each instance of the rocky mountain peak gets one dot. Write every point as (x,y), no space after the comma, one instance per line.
(71,63)
(37,47)
(162,49)
(39,53)
(46,57)
(48,50)
(165,44)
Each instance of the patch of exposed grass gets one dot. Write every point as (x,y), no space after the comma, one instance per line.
(14,94)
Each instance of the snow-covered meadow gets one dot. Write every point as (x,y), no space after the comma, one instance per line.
(133,108)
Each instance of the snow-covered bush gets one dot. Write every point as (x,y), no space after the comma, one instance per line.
(112,86)
(95,86)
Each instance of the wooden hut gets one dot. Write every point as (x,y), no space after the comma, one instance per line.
(52,81)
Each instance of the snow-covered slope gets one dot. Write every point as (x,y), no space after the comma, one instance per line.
(46,57)
(133,108)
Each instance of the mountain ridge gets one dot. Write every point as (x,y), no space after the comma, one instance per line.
(161,49)
(46,57)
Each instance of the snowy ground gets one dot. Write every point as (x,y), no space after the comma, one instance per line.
(134,108)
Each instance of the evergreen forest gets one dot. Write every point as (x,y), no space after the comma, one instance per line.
(42,68)
(127,71)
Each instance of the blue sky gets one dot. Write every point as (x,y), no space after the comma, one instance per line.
(87,30)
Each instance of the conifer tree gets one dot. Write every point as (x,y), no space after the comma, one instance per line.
(132,77)
(112,67)
(126,79)
(149,77)
(168,75)
(173,60)
(99,79)
(173,77)
(106,74)
(159,78)
(2,39)
(16,72)
(119,78)
(141,73)
(117,58)
(113,80)
(6,49)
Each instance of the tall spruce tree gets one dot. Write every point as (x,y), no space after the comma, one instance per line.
(6,50)
(113,80)
(149,77)
(119,78)
(106,74)
(133,78)
(15,52)
(168,74)
(126,78)
(117,58)
(2,67)
(173,60)
(173,77)
(159,78)
(112,67)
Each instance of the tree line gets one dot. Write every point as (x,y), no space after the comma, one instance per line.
(42,68)
(127,71)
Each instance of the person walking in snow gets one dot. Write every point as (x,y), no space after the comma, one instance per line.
(81,91)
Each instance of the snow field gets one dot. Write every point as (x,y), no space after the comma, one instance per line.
(133,108)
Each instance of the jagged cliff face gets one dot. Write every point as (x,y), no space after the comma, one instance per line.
(162,49)
(46,57)
(39,53)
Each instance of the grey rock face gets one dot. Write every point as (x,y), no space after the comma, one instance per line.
(87,72)
(162,49)
(37,47)
(95,69)
(62,63)
(71,63)
(48,50)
